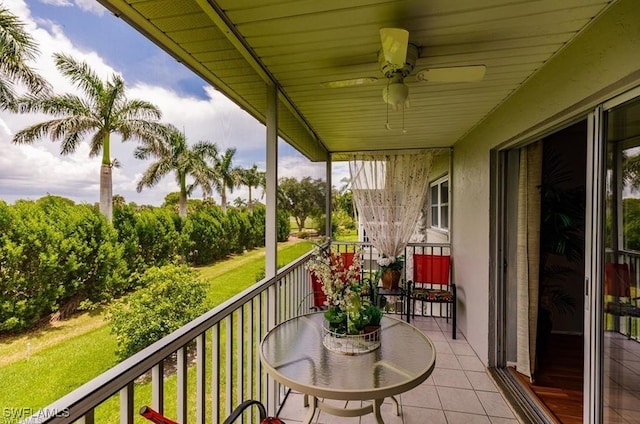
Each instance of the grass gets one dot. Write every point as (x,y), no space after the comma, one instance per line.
(44,365)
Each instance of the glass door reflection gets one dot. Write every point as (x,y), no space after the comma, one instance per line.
(621,282)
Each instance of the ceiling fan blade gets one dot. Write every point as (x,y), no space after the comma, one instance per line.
(394,45)
(349,82)
(453,74)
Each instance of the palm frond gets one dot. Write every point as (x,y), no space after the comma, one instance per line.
(80,74)
(17,47)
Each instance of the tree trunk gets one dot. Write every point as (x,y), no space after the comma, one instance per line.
(182,200)
(106,192)
(183,204)
(223,200)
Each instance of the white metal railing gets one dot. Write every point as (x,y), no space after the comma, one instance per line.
(215,358)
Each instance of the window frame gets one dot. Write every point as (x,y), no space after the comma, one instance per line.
(439,204)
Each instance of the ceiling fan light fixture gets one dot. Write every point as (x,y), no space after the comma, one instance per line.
(396,94)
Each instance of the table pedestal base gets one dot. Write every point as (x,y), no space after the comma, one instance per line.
(316,404)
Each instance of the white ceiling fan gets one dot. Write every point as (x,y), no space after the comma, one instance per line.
(397,59)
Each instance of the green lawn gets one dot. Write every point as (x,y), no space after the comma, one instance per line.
(44,365)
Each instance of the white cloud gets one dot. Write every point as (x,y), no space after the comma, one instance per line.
(91,6)
(60,3)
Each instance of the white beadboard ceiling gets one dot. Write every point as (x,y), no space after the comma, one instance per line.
(239,45)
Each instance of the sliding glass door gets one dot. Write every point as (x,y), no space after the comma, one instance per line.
(615,347)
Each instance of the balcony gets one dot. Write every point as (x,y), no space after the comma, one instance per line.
(200,372)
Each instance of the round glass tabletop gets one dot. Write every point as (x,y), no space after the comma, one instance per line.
(294,355)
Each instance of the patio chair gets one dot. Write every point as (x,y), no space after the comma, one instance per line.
(619,301)
(157,418)
(432,284)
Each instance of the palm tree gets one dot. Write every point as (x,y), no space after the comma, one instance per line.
(16,48)
(226,176)
(251,178)
(104,110)
(174,155)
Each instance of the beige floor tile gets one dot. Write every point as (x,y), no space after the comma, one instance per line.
(460,400)
(442,347)
(413,415)
(471,363)
(464,418)
(460,347)
(435,335)
(495,404)
(293,408)
(481,381)
(451,378)
(447,361)
(423,396)
(498,420)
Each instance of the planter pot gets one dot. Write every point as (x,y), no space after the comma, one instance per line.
(351,344)
(391,279)
(373,331)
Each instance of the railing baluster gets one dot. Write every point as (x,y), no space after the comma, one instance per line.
(181,383)
(240,357)
(261,383)
(88,418)
(201,375)
(251,353)
(215,373)
(157,387)
(229,364)
(126,404)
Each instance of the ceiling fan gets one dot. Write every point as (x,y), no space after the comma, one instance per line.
(397,59)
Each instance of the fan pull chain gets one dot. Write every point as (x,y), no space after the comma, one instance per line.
(387,126)
(404,130)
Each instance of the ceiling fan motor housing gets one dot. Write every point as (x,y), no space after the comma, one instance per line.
(394,71)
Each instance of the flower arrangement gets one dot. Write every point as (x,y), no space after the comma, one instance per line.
(349,308)
(390,262)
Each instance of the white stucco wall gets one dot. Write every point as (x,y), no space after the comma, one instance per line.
(602,61)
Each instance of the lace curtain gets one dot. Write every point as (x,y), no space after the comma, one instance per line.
(389,191)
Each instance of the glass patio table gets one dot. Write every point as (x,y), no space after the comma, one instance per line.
(294,355)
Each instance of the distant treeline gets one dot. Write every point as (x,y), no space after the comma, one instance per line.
(57,256)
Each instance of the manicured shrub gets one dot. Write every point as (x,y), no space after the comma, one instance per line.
(239,230)
(172,296)
(150,237)
(207,235)
(257,219)
(54,253)
(284,226)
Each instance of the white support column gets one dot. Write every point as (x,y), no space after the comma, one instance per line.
(272,181)
(271,225)
(328,202)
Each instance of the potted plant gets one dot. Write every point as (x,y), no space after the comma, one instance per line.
(349,307)
(390,270)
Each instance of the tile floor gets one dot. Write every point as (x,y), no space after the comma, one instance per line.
(459,391)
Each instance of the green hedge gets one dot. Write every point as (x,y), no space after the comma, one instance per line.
(54,253)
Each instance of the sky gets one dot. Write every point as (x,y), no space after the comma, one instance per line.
(85,30)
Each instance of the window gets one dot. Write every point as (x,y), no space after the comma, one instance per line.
(439,201)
